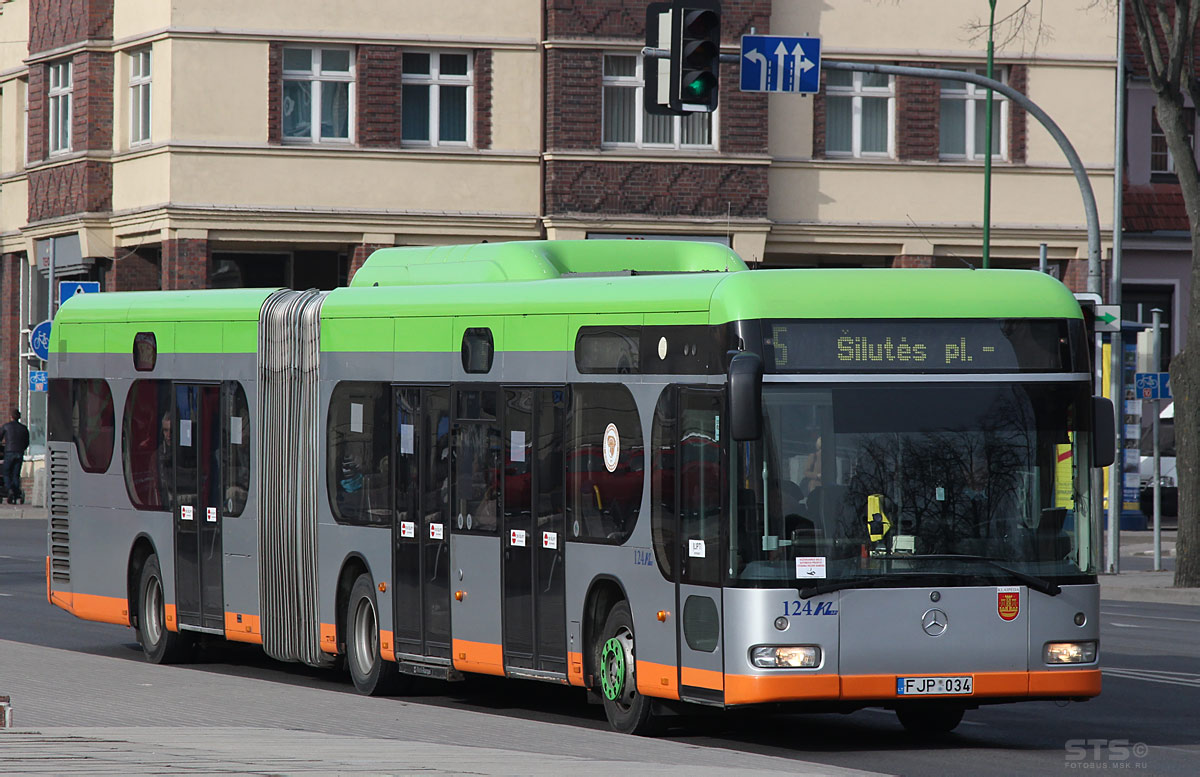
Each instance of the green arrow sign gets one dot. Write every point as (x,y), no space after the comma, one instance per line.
(1108,318)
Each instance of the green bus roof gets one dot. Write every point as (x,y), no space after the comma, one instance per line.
(692,282)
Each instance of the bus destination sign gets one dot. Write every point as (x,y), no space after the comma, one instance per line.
(979,345)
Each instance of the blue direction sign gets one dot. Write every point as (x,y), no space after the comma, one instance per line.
(68,289)
(39,340)
(774,63)
(1152,385)
(39,380)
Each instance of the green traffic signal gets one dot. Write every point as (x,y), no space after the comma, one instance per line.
(698,86)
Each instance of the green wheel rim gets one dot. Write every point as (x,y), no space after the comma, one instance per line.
(612,669)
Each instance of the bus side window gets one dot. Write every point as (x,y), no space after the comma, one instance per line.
(605,463)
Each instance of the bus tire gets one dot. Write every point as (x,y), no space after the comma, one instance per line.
(929,719)
(613,657)
(160,645)
(372,675)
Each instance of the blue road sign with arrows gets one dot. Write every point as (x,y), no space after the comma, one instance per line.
(775,63)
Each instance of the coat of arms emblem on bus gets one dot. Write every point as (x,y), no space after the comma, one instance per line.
(612,447)
(1008,602)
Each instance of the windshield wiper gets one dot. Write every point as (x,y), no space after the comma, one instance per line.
(1036,583)
(874,581)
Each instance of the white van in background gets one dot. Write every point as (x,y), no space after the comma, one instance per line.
(1166,467)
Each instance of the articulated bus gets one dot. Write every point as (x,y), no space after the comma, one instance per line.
(639,468)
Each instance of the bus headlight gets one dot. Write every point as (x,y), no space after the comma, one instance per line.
(785,656)
(1070,652)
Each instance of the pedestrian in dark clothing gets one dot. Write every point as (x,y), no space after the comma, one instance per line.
(14,437)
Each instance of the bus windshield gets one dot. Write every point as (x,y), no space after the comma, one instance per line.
(906,481)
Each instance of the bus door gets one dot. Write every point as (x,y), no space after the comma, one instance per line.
(699,497)
(197,505)
(531,538)
(475,530)
(421,531)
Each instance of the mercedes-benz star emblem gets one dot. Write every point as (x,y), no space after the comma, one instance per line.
(935,622)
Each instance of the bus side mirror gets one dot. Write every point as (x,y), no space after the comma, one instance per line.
(745,378)
(1104,432)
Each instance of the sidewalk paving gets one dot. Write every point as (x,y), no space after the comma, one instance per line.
(1127,586)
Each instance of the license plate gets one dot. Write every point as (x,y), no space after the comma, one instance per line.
(933,686)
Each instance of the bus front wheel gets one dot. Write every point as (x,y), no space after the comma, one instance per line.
(160,645)
(930,718)
(372,675)
(628,711)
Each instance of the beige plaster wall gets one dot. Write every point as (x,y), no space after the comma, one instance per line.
(141,181)
(354,181)
(516,100)
(1058,28)
(453,19)
(1082,101)
(132,18)
(12,128)
(942,196)
(219,91)
(14,34)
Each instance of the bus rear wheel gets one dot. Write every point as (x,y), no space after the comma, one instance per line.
(627,710)
(372,675)
(930,718)
(160,645)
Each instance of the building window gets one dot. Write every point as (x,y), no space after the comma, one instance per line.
(626,122)
(59,96)
(963,119)
(318,94)
(436,95)
(860,113)
(139,96)
(1161,161)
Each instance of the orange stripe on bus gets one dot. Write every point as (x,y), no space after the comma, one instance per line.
(245,630)
(386,647)
(329,638)
(756,689)
(103,609)
(49,596)
(481,657)
(575,669)
(661,680)
(702,678)
(1068,682)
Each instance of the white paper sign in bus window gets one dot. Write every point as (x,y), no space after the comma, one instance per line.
(235,429)
(408,529)
(516,538)
(185,433)
(185,512)
(210,514)
(612,448)
(435,531)
(356,413)
(406,439)
(550,540)
(696,548)
(518,447)
(810,566)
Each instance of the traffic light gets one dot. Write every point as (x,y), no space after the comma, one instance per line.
(695,55)
(687,80)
